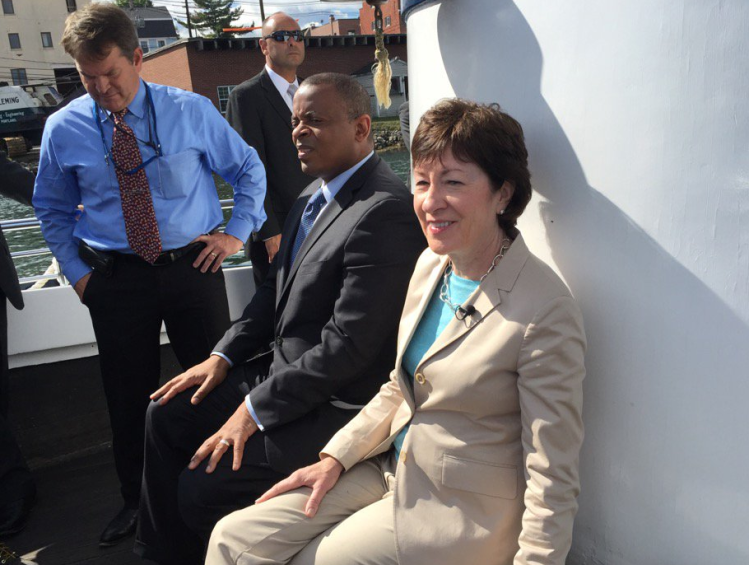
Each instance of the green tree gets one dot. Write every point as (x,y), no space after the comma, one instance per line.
(212,16)
(136,3)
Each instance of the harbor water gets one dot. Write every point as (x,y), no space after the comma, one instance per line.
(27,239)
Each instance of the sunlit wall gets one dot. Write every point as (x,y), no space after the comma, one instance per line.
(637,120)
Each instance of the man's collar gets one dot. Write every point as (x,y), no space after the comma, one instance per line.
(330,189)
(137,107)
(281,84)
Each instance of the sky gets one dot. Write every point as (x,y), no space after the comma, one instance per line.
(305,10)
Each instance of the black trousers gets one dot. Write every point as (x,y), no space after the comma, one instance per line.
(127,310)
(179,507)
(16,481)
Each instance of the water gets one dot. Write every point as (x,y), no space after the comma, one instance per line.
(23,240)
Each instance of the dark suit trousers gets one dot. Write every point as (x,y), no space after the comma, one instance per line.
(259,257)
(127,310)
(16,481)
(179,507)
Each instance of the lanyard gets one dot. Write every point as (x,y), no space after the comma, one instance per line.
(151,111)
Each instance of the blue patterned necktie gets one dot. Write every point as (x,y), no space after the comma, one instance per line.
(311,211)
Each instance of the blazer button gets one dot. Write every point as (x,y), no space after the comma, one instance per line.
(420,378)
(279,341)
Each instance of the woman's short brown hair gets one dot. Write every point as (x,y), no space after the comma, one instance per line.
(91,32)
(484,135)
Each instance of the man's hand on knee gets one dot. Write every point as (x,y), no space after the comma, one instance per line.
(207,375)
(234,433)
(320,477)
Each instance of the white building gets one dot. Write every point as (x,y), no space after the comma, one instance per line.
(155,27)
(30,33)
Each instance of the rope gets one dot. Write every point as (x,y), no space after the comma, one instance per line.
(381,69)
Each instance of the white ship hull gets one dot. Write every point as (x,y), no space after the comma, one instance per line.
(54,326)
(637,123)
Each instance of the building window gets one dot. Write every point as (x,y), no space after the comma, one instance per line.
(144,45)
(373,26)
(71,5)
(8,7)
(387,21)
(15,40)
(46,39)
(18,76)
(161,43)
(223,97)
(396,86)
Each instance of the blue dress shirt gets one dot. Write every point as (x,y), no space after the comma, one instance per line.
(195,140)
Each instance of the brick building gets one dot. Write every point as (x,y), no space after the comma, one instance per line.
(212,67)
(336,27)
(392,22)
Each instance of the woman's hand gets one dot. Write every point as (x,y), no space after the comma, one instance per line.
(320,477)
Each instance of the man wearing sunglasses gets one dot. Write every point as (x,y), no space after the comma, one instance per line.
(146,250)
(260,110)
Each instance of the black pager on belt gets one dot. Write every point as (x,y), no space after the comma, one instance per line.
(100,261)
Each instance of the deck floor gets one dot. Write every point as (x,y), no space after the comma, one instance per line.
(76,500)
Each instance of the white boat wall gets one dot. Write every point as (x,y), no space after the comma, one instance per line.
(54,326)
(637,123)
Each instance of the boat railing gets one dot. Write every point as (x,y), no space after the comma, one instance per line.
(20,224)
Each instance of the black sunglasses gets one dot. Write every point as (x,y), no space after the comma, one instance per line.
(283,36)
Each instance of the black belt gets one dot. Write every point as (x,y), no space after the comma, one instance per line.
(103,261)
(165,258)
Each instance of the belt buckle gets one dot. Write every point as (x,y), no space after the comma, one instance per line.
(162,260)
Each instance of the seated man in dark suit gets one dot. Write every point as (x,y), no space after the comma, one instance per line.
(330,305)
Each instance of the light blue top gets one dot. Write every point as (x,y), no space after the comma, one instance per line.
(432,324)
(195,140)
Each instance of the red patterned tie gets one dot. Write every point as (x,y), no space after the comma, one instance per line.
(137,207)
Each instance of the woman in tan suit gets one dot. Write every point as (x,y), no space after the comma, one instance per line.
(469,454)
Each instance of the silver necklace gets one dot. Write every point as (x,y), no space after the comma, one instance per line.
(445,288)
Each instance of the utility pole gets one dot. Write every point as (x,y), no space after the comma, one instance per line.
(189,25)
(262,12)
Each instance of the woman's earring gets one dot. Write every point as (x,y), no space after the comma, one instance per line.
(501,212)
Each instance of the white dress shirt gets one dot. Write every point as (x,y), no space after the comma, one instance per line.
(282,85)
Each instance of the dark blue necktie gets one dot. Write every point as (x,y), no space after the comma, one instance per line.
(311,211)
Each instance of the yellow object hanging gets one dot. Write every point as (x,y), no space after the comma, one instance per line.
(381,69)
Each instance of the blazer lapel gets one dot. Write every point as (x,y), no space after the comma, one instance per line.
(326,218)
(485,299)
(275,99)
(413,310)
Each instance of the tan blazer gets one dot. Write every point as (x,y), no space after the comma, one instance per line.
(488,474)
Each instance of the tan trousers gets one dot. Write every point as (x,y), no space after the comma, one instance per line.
(353,526)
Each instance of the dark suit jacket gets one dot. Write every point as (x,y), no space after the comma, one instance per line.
(333,314)
(16,183)
(259,114)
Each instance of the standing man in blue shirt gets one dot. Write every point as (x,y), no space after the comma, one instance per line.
(140,157)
